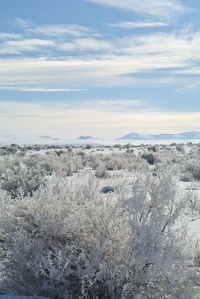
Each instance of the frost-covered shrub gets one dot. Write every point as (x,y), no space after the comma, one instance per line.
(2,152)
(114,163)
(117,161)
(152,148)
(194,202)
(101,172)
(69,239)
(63,163)
(88,146)
(196,173)
(20,177)
(192,170)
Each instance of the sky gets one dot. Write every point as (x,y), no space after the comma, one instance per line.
(103,68)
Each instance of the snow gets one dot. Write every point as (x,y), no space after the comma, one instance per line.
(21,297)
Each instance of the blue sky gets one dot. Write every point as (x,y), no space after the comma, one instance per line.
(99,67)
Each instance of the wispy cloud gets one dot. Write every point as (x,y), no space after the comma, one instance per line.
(5,36)
(52,30)
(193,70)
(24,45)
(50,89)
(125,105)
(131,25)
(60,30)
(93,44)
(94,60)
(87,44)
(120,102)
(63,37)
(22,23)
(178,45)
(82,73)
(115,69)
(156,8)
(39,89)
(189,88)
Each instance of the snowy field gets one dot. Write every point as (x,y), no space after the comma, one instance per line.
(100,221)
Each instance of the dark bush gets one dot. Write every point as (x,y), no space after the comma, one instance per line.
(149,158)
(107,189)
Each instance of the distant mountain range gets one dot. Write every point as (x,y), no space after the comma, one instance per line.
(49,137)
(85,138)
(179,136)
(137,136)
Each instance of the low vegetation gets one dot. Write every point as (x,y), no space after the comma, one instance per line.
(100,222)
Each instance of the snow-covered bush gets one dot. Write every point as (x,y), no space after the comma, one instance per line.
(116,161)
(69,239)
(20,177)
(191,171)
(101,172)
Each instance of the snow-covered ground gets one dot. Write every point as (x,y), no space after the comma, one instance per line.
(21,297)
(41,180)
